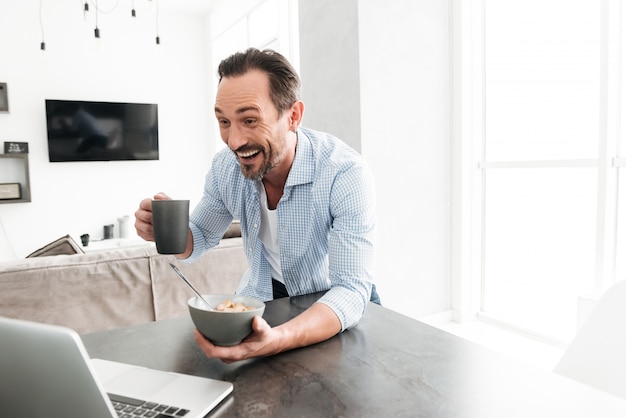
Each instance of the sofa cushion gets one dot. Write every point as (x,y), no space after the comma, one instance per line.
(64,245)
(234,230)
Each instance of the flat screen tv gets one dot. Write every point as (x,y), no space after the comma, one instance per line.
(101,131)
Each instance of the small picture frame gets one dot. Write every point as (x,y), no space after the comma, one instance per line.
(4,98)
(10,191)
(16,147)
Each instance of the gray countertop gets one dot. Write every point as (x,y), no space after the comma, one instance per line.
(389,365)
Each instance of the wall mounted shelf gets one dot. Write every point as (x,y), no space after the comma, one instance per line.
(14,169)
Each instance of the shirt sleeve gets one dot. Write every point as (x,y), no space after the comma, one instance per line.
(351,244)
(210,218)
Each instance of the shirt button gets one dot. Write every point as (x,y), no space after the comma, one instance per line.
(256,225)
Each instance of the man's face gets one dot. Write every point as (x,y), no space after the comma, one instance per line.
(249,123)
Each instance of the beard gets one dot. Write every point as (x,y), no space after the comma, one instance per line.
(272,154)
(270,160)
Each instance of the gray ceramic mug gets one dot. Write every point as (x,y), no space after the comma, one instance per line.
(170,220)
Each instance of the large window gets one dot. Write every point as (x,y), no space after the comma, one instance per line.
(549,93)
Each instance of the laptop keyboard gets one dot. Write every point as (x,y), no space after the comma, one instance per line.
(130,408)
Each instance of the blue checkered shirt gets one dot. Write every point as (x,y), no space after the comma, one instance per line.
(326,224)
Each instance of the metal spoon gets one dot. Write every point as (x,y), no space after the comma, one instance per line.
(184,279)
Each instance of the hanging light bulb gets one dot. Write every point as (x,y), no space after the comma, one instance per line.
(96,31)
(158,39)
(85,10)
(43,43)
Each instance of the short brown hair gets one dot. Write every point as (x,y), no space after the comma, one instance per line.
(284,81)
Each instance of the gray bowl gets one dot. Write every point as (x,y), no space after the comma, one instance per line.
(224,328)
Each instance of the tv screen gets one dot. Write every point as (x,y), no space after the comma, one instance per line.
(101,131)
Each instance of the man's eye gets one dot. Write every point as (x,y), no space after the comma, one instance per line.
(223,122)
(249,121)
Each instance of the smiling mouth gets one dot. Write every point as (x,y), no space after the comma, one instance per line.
(247,155)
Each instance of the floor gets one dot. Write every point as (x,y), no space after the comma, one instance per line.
(537,353)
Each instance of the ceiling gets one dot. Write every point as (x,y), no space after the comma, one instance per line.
(192,6)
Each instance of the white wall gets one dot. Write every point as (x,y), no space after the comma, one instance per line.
(125,65)
(397,51)
(329,61)
(405,137)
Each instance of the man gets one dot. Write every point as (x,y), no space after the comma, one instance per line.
(305,201)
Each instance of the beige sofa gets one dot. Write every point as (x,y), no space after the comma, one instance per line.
(110,289)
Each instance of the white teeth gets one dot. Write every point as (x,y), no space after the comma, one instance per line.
(247,154)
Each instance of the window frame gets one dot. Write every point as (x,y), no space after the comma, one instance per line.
(469,165)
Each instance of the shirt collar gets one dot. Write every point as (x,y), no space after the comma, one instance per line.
(303,167)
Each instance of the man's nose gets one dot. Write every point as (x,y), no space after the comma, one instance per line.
(235,138)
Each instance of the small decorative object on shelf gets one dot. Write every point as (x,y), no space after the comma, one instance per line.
(4,98)
(108,231)
(123,226)
(10,191)
(16,147)
(84,239)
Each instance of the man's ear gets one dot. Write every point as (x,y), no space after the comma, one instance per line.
(295,115)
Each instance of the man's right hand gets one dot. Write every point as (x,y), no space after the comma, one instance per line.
(143,217)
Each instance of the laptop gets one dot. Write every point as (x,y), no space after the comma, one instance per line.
(45,372)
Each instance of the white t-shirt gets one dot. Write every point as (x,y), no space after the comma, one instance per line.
(269,235)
